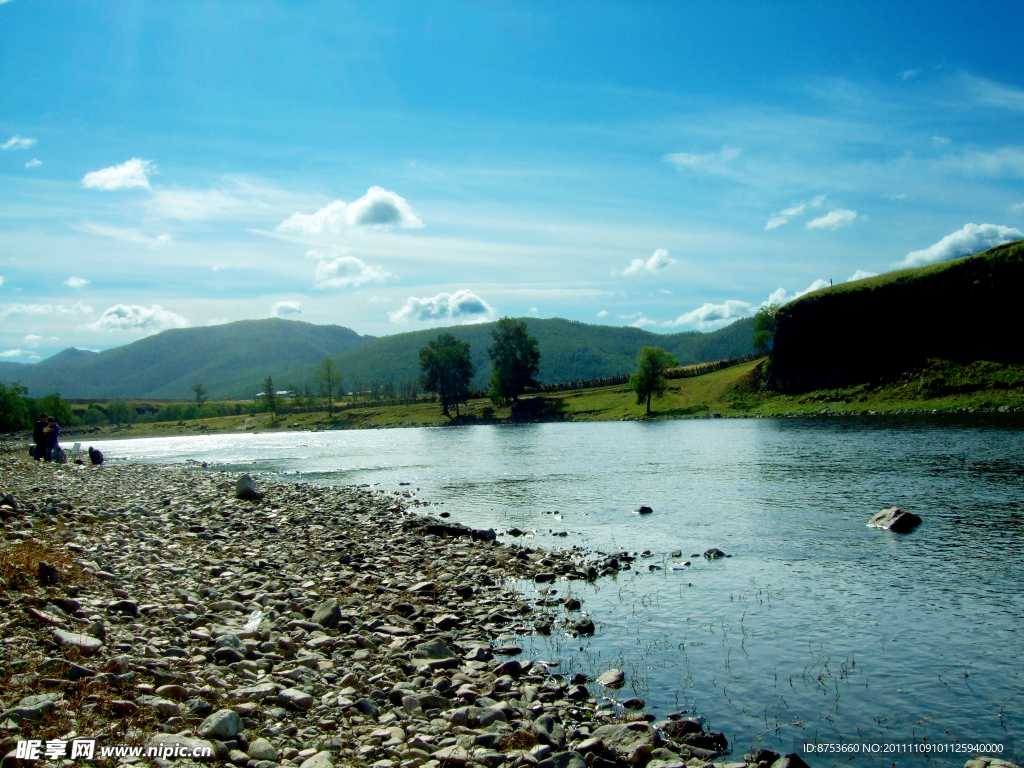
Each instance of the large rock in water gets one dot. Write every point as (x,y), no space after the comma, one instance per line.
(643,510)
(246,489)
(896,520)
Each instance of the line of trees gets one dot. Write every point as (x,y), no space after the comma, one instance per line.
(447,369)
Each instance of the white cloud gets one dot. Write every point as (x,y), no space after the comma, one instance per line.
(17,142)
(379,208)
(462,305)
(972,238)
(336,271)
(860,274)
(284,308)
(833,220)
(712,315)
(940,141)
(658,261)
(13,353)
(76,282)
(900,196)
(603,313)
(33,163)
(1,281)
(638,320)
(128,175)
(125,234)
(909,74)
(779,296)
(715,162)
(776,220)
(220,267)
(124,317)
(78,308)
(33,340)
(1016,207)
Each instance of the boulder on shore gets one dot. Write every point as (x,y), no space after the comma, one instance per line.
(896,520)
(246,489)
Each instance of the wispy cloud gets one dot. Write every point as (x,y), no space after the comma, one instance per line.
(989,93)
(33,163)
(941,141)
(712,162)
(379,208)
(603,313)
(711,315)
(76,282)
(14,353)
(285,308)
(658,261)
(1005,161)
(463,305)
(637,320)
(78,308)
(780,296)
(125,234)
(860,274)
(131,317)
(128,175)
(909,74)
(833,220)
(34,340)
(17,142)
(971,238)
(336,270)
(776,220)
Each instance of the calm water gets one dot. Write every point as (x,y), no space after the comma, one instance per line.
(815,626)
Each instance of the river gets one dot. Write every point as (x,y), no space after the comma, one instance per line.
(815,626)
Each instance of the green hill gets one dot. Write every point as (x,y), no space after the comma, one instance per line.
(962,310)
(569,351)
(227,358)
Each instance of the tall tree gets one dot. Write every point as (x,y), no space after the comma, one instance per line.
(329,378)
(649,379)
(447,370)
(270,399)
(764,328)
(13,408)
(516,360)
(200,389)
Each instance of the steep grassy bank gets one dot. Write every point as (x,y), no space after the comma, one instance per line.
(963,310)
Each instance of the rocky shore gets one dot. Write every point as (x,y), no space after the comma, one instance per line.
(297,625)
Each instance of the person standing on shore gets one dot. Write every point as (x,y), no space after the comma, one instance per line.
(39,437)
(52,446)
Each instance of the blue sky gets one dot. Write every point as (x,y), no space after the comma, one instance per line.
(394,166)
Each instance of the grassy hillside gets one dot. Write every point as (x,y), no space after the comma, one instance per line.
(569,351)
(961,310)
(228,358)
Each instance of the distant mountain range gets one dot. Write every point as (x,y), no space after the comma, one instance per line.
(233,359)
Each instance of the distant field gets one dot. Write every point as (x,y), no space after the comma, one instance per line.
(733,392)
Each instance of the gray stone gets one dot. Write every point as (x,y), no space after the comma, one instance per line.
(47,574)
(982,761)
(895,520)
(86,644)
(793,760)
(222,725)
(261,749)
(163,707)
(433,649)
(613,678)
(319,760)
(64,669)
(714,554)
(631,742)
(564,760)
(295,698)
(328,614)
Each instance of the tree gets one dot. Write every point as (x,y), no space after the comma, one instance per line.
(764,328)
(649,379)
(119,412)
(329,378)
(447,370)
(270,399)
(13,408)
(516,360)
(200,389)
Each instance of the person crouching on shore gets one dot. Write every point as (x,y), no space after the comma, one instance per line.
(52,446)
